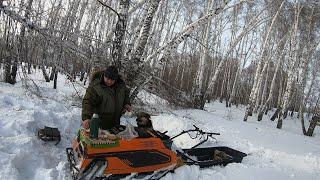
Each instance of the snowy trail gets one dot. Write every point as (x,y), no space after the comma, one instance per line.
(273,153)
(23,155)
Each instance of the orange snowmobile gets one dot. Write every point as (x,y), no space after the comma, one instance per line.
(151,155)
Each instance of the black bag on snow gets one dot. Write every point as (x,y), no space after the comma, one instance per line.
(49,134)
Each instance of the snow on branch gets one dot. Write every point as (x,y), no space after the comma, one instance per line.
(52,39)
(178,39)
(130,11)
(136,6)
(251,25)
(103,4)
(189,29)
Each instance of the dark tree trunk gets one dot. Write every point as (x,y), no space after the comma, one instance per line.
(7,69)
(285,115)
(248,113)
(280,119)
(276,114)
(82,75)
(1,57)
(292,112)
(14,70)
(7,57)
(260,115)
(45,75)
(52,73)
(29,68)
(55,80)
(199,102)
(313,125)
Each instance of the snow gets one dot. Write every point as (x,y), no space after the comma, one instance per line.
(272,153)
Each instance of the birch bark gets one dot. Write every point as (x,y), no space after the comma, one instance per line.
(143,38)
(198,92)
(292,67)
(144,34)
(117,46)
(257,82)
(269,100)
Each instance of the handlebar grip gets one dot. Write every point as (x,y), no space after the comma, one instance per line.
(164,132)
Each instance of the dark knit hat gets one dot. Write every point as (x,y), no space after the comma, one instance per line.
(111,72)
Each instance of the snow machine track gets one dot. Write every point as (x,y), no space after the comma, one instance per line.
(72,163)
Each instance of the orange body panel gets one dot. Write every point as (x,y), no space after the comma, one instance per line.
(85,163)
(116,165)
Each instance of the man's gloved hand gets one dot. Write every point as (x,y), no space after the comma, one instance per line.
(86,123)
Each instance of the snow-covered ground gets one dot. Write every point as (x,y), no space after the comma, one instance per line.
(272,153)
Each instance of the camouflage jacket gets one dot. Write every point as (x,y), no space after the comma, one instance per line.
(107,102)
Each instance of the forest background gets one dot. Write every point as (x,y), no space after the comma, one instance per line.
(264,54)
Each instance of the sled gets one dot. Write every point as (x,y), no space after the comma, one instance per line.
(150,155)
(205,157)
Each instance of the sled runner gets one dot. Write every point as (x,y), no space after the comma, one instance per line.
(151,155)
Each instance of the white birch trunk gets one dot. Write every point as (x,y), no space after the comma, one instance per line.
(247,29)
(260,86)
(273,82)
(145,30)
(130,11)
(305,62)
(235,85)
(186,31)
(254,90)
(198,95)
(304,72)
(143,38)
(292,67)
(178,39)
(117,47)
(265,87)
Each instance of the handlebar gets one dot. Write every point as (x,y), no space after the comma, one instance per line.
(196,129)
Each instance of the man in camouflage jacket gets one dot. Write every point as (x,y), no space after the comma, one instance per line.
(107,96)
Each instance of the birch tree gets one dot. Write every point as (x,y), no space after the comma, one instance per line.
(198,94)
(292,67)
(143,38)
(280,58)
(117,47)
(310,48)
(258,78)
(172,44)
